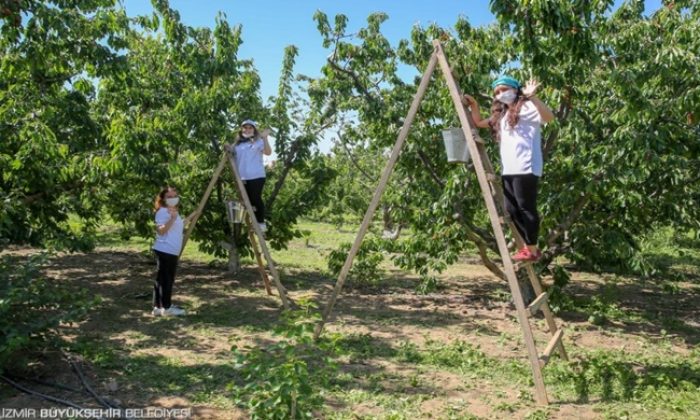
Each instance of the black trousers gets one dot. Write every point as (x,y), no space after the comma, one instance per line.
(165,278)
(520,194)
(254,188)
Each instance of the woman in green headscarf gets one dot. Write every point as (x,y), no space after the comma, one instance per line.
(517,115)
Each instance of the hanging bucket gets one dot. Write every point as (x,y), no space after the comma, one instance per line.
(235,211)
(239,212)
(455,145)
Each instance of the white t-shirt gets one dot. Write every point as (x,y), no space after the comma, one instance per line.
(521,149)
(171,242)
(249,159)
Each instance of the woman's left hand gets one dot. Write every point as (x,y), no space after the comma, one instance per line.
(265,133)
(530,87)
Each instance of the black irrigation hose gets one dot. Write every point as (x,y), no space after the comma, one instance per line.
(87,386)
(39,394)
(47,383)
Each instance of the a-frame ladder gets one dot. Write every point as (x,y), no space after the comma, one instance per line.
(254,230)
(490,189)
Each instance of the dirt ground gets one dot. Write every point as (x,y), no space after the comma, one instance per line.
(225,310)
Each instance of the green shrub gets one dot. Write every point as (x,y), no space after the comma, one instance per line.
(365,270)
(283,380)
(32,308)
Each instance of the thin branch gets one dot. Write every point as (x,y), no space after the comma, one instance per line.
(431,168)
(356,81)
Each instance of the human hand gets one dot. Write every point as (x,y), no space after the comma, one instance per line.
(173,212)
(265,133)
(530,87)
(468,100)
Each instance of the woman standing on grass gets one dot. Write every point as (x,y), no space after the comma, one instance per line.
(167,247)
(250,146)
(516,119)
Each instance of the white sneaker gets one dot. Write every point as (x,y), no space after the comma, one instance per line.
(157,311)
(173,311)
(263,227)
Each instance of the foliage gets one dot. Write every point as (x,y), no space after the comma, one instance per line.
(33,307)
(620,158)
(282,380)
(100,110)
(53,155)
(365,270)
(613,377)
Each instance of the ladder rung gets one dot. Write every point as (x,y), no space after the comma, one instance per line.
(520,264)
(537,303)
(556,339)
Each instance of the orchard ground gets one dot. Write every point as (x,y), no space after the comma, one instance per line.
(454,353)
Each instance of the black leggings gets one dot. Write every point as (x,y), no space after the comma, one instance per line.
(163,286)
(520,192)
(254,189)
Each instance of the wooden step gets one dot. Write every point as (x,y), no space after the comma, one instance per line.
(517,265)
(556,340)
(537,303)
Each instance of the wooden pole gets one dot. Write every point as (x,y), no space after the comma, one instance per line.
(403,134)
(258,258)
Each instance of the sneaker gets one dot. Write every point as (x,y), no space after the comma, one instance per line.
(173,311)
(157,311)
(522,255)
(526,255)
(535,256)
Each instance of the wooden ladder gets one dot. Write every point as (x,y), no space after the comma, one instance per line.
(493,197)
(254,230)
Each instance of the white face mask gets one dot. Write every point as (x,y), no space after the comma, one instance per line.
(506,97)
(172,201)
(247,135)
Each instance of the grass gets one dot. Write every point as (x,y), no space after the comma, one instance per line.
(400,359)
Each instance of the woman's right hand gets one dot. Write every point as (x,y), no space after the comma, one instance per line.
(173,212)
(468,100)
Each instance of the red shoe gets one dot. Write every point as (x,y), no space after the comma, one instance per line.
(534,257)
(523,255)
(526,255)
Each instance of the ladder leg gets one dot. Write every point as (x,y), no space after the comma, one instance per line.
(548,316)
(258,258)
(256,228)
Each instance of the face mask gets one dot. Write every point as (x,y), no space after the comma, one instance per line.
(506,97)
(172,201)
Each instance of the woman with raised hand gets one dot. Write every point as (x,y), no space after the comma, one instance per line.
(167,247)
(250,146)
(517,116)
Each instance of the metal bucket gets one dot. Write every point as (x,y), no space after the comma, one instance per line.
(236,211)
(455,145)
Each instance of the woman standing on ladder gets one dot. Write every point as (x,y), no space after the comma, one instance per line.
(515,122)
(250,146)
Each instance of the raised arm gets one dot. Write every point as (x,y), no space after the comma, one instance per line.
(267,150)
(474,107)
(529,91)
